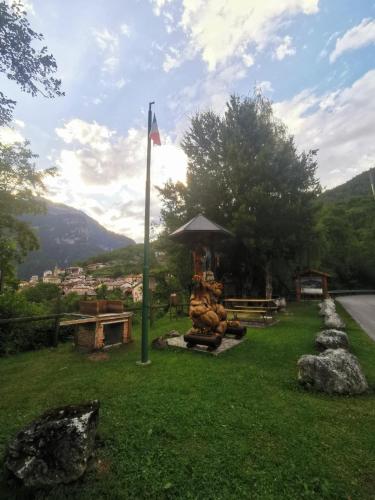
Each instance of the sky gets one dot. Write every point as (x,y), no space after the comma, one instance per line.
(313,58)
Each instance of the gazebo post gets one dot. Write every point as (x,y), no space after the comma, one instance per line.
(298,289)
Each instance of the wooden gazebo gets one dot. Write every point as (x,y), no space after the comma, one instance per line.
(201,235)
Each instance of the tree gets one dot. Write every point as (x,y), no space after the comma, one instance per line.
(42,293)
(346,230)
(245,173)
(20,181)
(21,185)
(30,68)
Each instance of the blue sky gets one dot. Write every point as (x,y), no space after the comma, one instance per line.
(313,58)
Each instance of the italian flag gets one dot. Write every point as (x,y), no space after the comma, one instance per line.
(154,132)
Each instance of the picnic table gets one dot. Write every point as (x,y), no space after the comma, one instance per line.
(269,304)
(250,308)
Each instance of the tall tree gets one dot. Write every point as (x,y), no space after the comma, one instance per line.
(244,172)
(21,185)
(20,182)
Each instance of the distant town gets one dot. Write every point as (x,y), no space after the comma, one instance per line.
(78,280)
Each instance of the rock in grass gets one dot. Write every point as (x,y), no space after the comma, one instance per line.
(172,334)
(334,371)
(159,343)
(333,320)
(55,448)
(331,339)
(327,307)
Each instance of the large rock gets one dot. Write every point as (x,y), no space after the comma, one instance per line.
(334,371)
(55,448)
(331,339)
(333,320)
(327,307)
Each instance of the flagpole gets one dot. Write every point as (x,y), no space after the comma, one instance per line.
(146,255)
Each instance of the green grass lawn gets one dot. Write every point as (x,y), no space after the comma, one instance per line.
(195,426)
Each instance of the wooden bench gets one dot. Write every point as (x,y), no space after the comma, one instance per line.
(249,313)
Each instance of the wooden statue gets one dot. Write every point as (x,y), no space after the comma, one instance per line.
(208,316)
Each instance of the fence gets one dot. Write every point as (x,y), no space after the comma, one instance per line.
(56,317)
(351,292)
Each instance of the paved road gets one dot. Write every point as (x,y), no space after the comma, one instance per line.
(362,309)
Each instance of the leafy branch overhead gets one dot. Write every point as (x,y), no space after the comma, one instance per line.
(32,69)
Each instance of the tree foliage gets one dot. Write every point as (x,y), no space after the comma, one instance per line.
(21,185)
(30,68)
(245,173)
(346,231)
(20,181)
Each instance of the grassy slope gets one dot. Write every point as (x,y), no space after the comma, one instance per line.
(196,426)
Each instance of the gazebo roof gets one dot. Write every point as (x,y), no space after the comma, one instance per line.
(309,272)
(198,227)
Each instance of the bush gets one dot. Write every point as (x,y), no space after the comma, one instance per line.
(70,302)
(41,293)
(22,336)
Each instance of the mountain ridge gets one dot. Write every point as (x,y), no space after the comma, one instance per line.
(358,185)
(67,235)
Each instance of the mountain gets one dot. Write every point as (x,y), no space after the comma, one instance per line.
(67,235)
(357,186)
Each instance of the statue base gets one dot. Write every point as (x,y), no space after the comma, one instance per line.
(237,331)
(211,341)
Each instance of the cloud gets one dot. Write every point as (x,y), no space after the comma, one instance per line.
(248,60)
(172,60)
(359,36)
(103,173)
(339,124)
(10,135)
(158,5)
(84,133)
(19,123)
(284,49)
(210,93)
(221,30)
(109,45)
(121,83)
(265,86)
(125,29)
(324,51)
(106,41)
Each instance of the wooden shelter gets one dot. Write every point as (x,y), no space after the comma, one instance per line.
(311,283)
(202,236)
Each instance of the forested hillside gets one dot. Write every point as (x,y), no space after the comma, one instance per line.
(65,236)
(119,262)
(357,186)
(346,236)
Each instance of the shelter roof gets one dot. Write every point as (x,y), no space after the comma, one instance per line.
(200,224)
(309,272)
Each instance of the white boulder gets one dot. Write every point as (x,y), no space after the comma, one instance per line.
(334,371)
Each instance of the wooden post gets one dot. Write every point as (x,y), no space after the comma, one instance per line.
(55,332)
(298,290)
(56,329)
(2,280)
(152,311)
(268,279)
